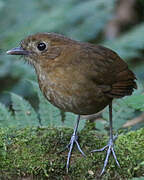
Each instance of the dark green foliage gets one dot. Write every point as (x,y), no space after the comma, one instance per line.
(24,114)
(136,102)
(141,178)
(129,44)
(123,110)
(121,113)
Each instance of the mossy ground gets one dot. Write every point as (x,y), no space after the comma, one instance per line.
(34,153)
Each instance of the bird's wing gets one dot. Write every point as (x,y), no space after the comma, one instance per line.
(109,71)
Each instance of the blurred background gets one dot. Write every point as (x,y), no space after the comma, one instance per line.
(117,24)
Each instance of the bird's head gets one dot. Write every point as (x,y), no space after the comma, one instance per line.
(41,47)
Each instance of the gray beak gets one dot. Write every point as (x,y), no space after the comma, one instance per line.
(17,51)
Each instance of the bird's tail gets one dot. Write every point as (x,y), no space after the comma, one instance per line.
(124,85)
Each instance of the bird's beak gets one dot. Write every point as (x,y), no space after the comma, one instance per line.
(17,51)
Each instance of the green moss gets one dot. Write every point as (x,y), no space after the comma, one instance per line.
(36,153)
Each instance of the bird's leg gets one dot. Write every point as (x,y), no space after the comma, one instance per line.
(74,139)
(110,145)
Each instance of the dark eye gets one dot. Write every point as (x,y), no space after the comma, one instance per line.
(41,46)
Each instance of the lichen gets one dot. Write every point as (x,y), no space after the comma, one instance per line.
(37,153)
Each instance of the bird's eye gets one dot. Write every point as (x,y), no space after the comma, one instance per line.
(41,46)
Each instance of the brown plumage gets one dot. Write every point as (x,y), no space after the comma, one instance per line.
(74,76)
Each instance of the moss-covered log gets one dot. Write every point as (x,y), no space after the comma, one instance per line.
(35,153)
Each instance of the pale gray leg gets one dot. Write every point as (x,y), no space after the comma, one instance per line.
(74,139)
(110,145)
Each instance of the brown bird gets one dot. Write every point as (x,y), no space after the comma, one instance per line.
(78,77)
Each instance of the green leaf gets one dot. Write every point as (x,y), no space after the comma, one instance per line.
(24,113)
(139,178)
(6,118)
(101,125)
(129,44)
(121,113)
(136,102)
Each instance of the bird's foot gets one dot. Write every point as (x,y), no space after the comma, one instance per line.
(74,139)
(110,149)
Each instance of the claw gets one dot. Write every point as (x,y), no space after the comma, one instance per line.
(99,150)
(109,151)
(73,140)
(110,144)
(70,146)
